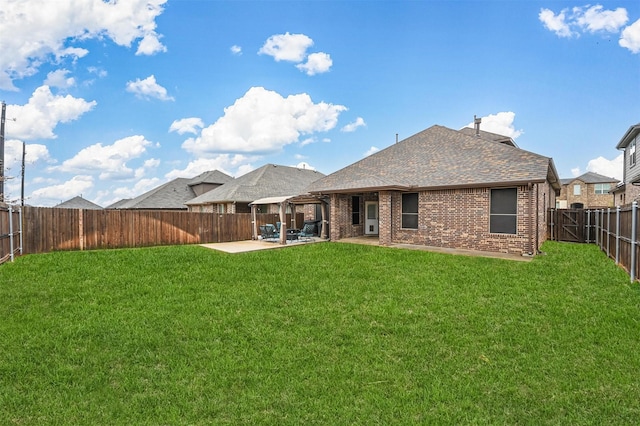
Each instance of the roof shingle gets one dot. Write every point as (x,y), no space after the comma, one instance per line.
(438,158)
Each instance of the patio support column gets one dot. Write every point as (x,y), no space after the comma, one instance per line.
(385,219)
(323,216)
(254,222)
(283,223)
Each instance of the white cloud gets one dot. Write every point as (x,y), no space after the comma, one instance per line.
(556,23)
(264,121)
(97,71)
(594,19)
(610,168)
(33,32)
(236,50)
(287,47)
(59,79)
(148,88)
(500,123)
(575,172)
(304,165)
(109,160)
(34,153)
(630,37)
(42,113)
(352,127)
(187,125)
(56,194)
(150,44)
(317,63)
(224,162)
(371,150)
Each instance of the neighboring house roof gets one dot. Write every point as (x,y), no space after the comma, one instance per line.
(440,158)
(118,204)
(212,177)
(590,177)
(492,137)
(78,203)
(628,136)
(172,195)
(268,181)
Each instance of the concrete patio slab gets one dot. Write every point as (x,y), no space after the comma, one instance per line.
(254,245)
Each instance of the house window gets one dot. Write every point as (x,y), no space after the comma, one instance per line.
(355,210)
(410,211)
(221,208)
(632,153)
(602,188)
(576,189)
(504,211)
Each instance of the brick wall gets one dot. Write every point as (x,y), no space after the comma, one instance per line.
(452,218)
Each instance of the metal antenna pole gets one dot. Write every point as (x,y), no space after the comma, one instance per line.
(24,152)
(2,120)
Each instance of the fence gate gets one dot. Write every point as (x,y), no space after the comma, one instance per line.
(569,225)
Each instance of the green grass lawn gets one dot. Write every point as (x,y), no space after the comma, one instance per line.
(318,334)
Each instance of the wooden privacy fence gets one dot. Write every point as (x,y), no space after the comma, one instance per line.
(614,230)
(47,229)
(10,233)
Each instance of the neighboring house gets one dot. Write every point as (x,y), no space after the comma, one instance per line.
(629,190)
(587,191)
(78,203)
(445,188)
(173,194)
(268,181)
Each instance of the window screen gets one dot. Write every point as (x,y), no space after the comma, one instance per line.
(504,211)
(355,210)
(410,211)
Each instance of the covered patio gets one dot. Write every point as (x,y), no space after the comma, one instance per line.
(286,231)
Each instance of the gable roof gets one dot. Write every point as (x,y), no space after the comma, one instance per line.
(440,158)
(78,203)
(212,177)
(590,177)
(172,195)
(488,136)
(628,136)
(268,181)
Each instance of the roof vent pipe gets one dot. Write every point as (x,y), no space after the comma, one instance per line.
(476,124)
(396,138)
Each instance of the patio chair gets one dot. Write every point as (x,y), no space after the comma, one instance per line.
(269,233)
(306,233)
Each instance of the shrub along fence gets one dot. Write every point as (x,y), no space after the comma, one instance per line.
(47,229)
(614,230)
(10,233)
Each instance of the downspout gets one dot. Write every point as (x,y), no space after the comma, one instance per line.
(530,224)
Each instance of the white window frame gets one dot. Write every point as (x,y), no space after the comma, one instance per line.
(576,189)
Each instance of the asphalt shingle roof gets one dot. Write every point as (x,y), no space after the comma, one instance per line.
(590,177)
(492,137)
(212,176)
(268,181)
(439,157)
(78,203)
(172,195)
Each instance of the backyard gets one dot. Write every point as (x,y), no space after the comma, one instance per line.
(318,334)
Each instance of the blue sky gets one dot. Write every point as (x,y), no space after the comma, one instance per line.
(115,98)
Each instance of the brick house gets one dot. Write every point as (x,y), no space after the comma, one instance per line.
(587,191)
(629,190)
(445,188)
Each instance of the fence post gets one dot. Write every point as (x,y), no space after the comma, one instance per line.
(634,224)
(11,232)
(21,229)
(552,220)
(608,231)
(617,235)
(595,229)
(588,236)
